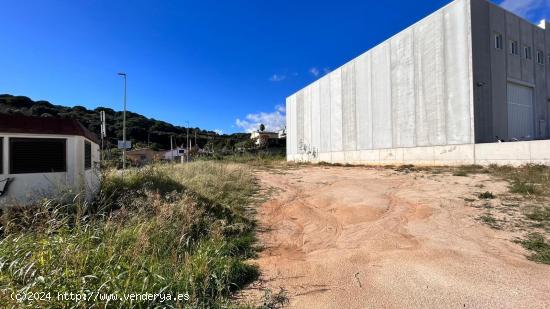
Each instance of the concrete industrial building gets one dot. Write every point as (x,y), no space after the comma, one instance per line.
(442,91)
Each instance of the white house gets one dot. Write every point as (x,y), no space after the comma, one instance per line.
(262,137)
(174,154)
(41,157)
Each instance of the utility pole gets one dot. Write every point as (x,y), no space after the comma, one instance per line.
(171,150)
(103,132)
(124,126)
(187,150)
(195,137)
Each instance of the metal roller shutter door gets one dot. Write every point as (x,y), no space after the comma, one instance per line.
(520,112)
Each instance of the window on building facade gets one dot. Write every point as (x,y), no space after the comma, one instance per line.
(514,49)
(540,57)
(37,155)
(498,41)
(87,155)
(528,52)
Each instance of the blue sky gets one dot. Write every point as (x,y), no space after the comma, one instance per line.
(221,65)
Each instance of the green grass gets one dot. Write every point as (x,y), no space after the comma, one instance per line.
(490,220)
(406,168)
(541,215)
(532,181)
(160,229)
(522,187)
(539,247)
(460,173)
(262,160)
(529,180)
(471,169)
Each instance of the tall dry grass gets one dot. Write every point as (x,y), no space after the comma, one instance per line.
(164,229)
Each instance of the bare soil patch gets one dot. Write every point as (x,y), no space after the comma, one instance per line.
(356,237)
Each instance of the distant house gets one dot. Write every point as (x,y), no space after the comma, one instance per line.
(263,138)
(174,154)
(143,156)
(40,157)
(282,133)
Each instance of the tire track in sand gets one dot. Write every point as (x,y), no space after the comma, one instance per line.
(358,237)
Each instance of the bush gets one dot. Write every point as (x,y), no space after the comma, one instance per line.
(486,195)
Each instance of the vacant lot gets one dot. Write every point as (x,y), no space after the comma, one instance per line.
(356,237)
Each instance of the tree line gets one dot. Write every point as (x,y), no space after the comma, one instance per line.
(142,131)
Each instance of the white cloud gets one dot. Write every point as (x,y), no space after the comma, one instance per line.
(314,71)
(273,121)
(277,77)
(218,131)
(530,9)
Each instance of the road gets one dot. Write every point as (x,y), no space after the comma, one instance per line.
(357,237)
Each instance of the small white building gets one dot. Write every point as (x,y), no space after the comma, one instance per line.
(262,137)
(174,154)
(282,133)
(44,157)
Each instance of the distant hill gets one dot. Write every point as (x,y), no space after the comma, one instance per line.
(142,131)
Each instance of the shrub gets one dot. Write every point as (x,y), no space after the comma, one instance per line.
(486,195)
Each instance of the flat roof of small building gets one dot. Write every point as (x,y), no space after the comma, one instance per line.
(44,125)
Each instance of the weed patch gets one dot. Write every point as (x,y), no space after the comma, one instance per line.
(490,220)
(460,173)
(539,247)
(486,195)
(274,300)
(529,180)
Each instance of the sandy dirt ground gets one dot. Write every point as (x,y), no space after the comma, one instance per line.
(357,237)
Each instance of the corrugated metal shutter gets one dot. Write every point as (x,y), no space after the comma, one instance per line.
(37,155)
(520,112)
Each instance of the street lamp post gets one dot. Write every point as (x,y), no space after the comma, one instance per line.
(187,146)
(124,126)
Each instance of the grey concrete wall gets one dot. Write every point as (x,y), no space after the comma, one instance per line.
(324,101)
(483,46)
(515,153)
(547,48)
(415,89)
(541,81)
(349,132)
(381,97)
(363,101)
(494,68)
(336,110)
